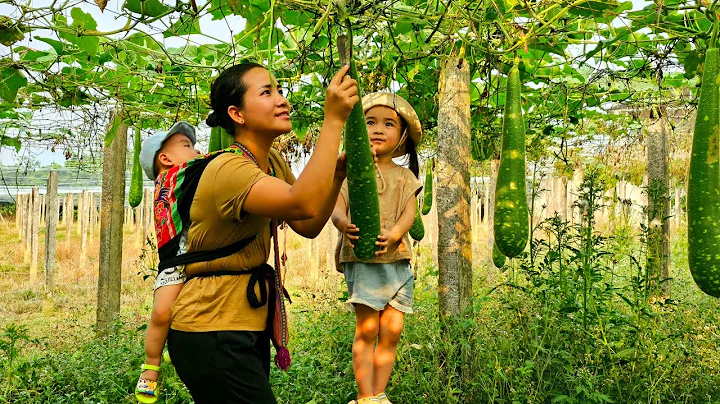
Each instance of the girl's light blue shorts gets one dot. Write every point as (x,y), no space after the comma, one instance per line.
(377,285)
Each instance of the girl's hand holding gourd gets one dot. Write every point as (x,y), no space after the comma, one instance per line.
(350,231)
(386,239)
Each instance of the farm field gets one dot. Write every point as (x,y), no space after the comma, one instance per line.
(562,158)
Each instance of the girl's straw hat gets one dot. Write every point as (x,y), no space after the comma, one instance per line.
(403,108)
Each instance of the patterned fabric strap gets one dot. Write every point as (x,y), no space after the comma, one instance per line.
(174,191)
(280,332)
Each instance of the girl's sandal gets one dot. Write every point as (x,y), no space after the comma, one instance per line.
(383,398)
(147,391)
(366,400)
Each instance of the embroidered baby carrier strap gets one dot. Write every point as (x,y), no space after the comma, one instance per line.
(174,193)
(277,316)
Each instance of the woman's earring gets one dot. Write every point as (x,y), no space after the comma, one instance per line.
(242,121)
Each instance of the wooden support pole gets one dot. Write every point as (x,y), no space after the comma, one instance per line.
(93,216)
(111,234)
(52,213)
(65,210)
(83,223)
(35,220)
(452,196)
(19,201)
(28,226)
(80,210)
(69,212)
(139,217)
(17,215)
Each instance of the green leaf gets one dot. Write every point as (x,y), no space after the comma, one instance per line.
(690,63)
(11,80)
(186,25)
(10,142)
(9,31)
(222,8)
(403,27)
(112,130)
(32,55)
(57,45)
(83,21)
(674,80)
(150,8)
(75,97)
(144,41)
(294,18)
(625,354)
(592,8)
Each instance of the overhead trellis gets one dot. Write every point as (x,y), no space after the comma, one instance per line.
(577,57)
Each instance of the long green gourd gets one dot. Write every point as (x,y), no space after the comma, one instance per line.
(498,258)
(215,139)
(417,230)
(362,188)
(428,188)
(136,178)
(225,139)
(511,209)
(703,204)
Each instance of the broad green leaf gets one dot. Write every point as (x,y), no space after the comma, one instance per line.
(75,33)
(10,142)
(82,19)
(31,55)
(675,80)
(113,128)
(219,9)
(48,58)
(73,97)
(295,18)
(11,80)
(150,8)
(625,354)
(592,8)
(57,45)
(403,27)
(690,63)
(186,25)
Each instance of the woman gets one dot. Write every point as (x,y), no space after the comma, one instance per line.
(219,341)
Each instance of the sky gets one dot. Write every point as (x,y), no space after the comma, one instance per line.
(109,20)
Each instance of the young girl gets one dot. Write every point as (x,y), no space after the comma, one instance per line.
(381,290)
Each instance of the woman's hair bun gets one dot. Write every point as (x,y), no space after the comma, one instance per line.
(213,120)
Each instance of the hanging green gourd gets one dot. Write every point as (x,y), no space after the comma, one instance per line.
(362,188)
(428,188)
(703,204)
(225,139)
(417,230)
(214,143)
(511,209)
(136,177)
(498,258)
